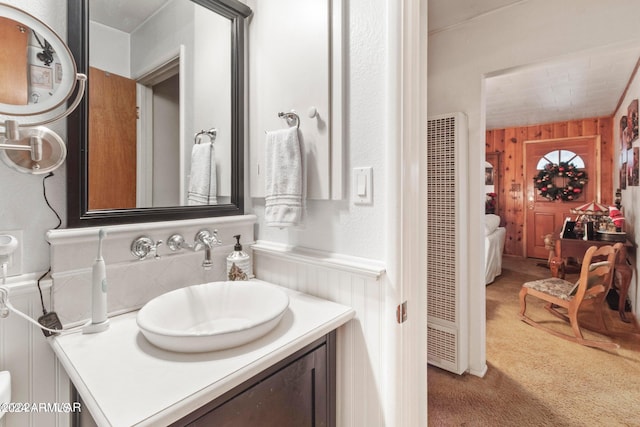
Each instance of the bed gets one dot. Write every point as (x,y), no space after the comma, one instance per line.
(493,247)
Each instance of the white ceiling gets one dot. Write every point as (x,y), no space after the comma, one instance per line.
(124,15)
(574,87)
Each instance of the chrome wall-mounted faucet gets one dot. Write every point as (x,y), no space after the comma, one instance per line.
(203,239)
(207,239)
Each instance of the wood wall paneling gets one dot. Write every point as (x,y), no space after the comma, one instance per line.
(510,142)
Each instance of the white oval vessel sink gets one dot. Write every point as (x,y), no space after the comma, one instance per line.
(212,316)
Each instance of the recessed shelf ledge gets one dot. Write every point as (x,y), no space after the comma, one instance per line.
(361,266)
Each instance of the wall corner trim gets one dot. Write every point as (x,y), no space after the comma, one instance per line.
(360,266)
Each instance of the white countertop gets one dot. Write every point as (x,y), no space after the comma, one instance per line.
(126,381)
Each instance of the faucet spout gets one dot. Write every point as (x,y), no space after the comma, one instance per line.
(207,239)
(207,264)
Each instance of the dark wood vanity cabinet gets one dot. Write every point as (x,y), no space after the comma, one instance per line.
(296,392)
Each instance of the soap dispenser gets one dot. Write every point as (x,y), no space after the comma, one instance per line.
(238,263)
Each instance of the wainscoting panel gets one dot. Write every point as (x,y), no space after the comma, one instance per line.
(25,353)
(361,350)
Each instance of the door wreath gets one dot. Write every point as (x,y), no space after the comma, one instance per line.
(574,180)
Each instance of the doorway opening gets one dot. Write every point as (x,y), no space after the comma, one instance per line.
(160,171)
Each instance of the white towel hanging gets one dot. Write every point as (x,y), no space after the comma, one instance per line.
(283,172)
(202,180)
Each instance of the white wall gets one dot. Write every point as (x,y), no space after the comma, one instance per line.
(341,226)
(212,100)
(525,33)
(110,49)
(290,71)
(22,206)
(374,133)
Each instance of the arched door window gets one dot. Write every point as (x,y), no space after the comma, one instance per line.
(557,156)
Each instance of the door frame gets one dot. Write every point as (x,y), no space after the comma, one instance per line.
(172,64)
(598,179)
(405,402)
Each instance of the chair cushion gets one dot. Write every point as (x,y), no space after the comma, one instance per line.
(553,286)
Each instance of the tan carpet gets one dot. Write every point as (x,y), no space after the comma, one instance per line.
(535,378)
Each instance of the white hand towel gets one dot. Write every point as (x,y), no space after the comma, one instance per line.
(283,170)
(202,180)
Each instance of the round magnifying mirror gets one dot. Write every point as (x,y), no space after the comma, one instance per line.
(37,68)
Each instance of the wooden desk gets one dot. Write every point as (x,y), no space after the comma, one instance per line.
(575,248)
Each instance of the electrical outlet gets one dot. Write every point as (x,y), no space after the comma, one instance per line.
(15,265)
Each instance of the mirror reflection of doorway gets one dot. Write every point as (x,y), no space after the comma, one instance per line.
(488,175)
(492,183)
(166,147)
(159,175)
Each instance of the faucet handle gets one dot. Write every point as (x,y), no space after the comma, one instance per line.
(176,242)
(207,239)
(143,246)
(215,239)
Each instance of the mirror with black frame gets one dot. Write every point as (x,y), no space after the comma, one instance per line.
(160,135)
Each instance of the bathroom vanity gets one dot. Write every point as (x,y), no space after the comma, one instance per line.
(126,381)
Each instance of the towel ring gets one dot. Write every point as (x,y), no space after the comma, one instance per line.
(211,133)
(289,117)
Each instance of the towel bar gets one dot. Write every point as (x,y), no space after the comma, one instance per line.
(211,133)
(290,116)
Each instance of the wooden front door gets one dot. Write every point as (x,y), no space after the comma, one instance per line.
(112,141)
(544,216)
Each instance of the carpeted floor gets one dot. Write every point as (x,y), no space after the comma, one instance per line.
(535,378)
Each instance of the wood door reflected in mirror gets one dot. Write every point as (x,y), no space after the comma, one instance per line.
(159,74)
(112,141)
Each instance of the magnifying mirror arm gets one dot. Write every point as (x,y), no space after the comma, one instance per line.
(38,138)
(35,142)
(35,146)
(15,147)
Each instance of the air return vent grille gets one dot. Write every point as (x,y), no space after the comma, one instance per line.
(442,345)
(446,259)
(441,208)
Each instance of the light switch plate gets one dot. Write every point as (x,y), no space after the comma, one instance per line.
(362,187)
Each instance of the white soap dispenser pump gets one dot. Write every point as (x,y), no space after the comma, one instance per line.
(238,263)
(99,321)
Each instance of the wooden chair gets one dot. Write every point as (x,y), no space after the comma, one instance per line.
(591,289)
